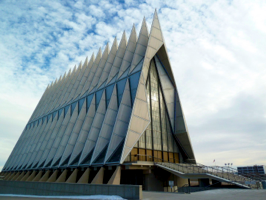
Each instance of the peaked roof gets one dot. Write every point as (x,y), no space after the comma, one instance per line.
(114,118)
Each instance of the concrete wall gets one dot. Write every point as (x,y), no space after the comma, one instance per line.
(63,189)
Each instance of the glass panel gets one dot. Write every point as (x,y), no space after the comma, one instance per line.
(134,81)
(88,99)
(142,141)
(81,101)
(66,109)
(163,122)
(54,115)
(98,97)
(40,121)
(101,156)
(120,89)
(49,116)
(60,112)
(117,153)
(109,91)
(44,119)
(73,105)
(156,122)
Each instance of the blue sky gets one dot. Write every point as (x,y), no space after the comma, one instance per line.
(216,48)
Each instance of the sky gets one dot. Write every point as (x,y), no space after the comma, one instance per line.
(216,49)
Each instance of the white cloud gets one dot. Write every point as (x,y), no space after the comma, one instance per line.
(216,49)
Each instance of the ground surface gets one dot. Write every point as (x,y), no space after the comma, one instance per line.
(220,194)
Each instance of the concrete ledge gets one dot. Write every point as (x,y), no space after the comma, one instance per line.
(64,189)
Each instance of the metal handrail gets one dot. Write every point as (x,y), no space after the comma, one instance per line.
(223,172)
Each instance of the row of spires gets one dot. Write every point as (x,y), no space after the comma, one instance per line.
(109,70)
(100,70)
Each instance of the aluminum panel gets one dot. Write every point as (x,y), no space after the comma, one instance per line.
(54,133)
(100,68)
(129,51)
(107,127)
(121,124)
(84,131)
(58,137)
(118,58)
(95,129)
(108,64)
(141,42)
(85,75)
(141,109)
(155,43)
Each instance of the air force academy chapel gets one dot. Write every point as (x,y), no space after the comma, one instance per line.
(109,119)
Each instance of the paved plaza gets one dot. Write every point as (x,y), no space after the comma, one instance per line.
(219,194)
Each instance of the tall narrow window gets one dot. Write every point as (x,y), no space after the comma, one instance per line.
(98,98)
(88,101)
(120,89)
(133,82)
(80,104)
(109,91)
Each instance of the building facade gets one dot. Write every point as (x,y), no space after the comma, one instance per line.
(108,119)
(256,169)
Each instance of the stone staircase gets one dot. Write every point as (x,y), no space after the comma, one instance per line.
(223,174)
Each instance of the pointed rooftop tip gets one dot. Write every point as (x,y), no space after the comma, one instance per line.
(144,23)
(107,47)
(155,15)
(144,28)
(86,60)
(99,52)
(124,37)
(115,42)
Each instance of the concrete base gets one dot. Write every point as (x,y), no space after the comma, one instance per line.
(53,177)
(7,175)
(15,177)
(62,177)
(11,176)
(115,179)
(31,177)
(26,176)
(98,179)
(180,182)
(20,176)
(73,177)
(45,177)
(85,176)
(37,177)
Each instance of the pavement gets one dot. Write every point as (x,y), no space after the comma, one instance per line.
(219,194)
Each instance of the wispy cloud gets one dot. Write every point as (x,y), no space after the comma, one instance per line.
(216,49)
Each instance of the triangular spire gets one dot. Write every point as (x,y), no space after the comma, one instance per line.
(122,120)
(107,127)
(85,62)
(141,45)
(100,68)
(92,72)
(118,58)
(94,130)
(129,51)
(77,150)
(108,63)
(156,45)
(139,119)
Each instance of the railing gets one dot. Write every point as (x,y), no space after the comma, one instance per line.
(228,173)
